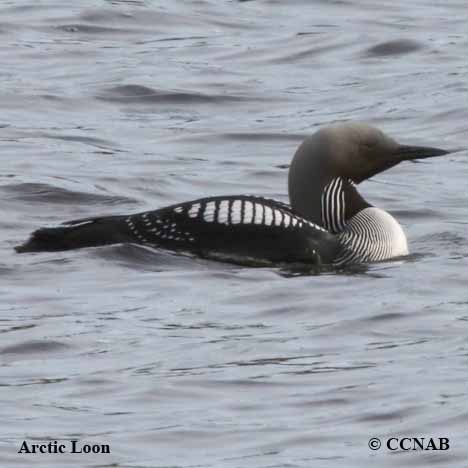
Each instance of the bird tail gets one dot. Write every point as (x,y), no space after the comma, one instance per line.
(77,234)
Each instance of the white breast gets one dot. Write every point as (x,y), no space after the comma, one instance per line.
(372,235)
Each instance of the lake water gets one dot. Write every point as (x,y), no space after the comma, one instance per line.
(122,106)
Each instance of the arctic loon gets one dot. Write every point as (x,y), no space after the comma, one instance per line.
(327,222)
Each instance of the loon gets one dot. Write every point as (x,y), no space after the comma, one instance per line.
(327,222)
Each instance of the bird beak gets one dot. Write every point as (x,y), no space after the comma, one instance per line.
(401,153)
(410,153)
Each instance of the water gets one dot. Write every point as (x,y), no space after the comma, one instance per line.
(122,106)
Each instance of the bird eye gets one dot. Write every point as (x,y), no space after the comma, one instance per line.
(369,143)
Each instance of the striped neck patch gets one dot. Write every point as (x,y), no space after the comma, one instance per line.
(333,206)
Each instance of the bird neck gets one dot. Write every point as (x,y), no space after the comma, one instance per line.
(329,201)
(340,202)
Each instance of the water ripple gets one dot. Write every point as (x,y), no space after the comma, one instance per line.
(137,94)
(45,193)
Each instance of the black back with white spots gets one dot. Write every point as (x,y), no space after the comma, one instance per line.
(235,227)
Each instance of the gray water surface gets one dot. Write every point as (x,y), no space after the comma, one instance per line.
(114,107)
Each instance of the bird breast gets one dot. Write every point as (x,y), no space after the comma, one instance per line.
(372,235)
